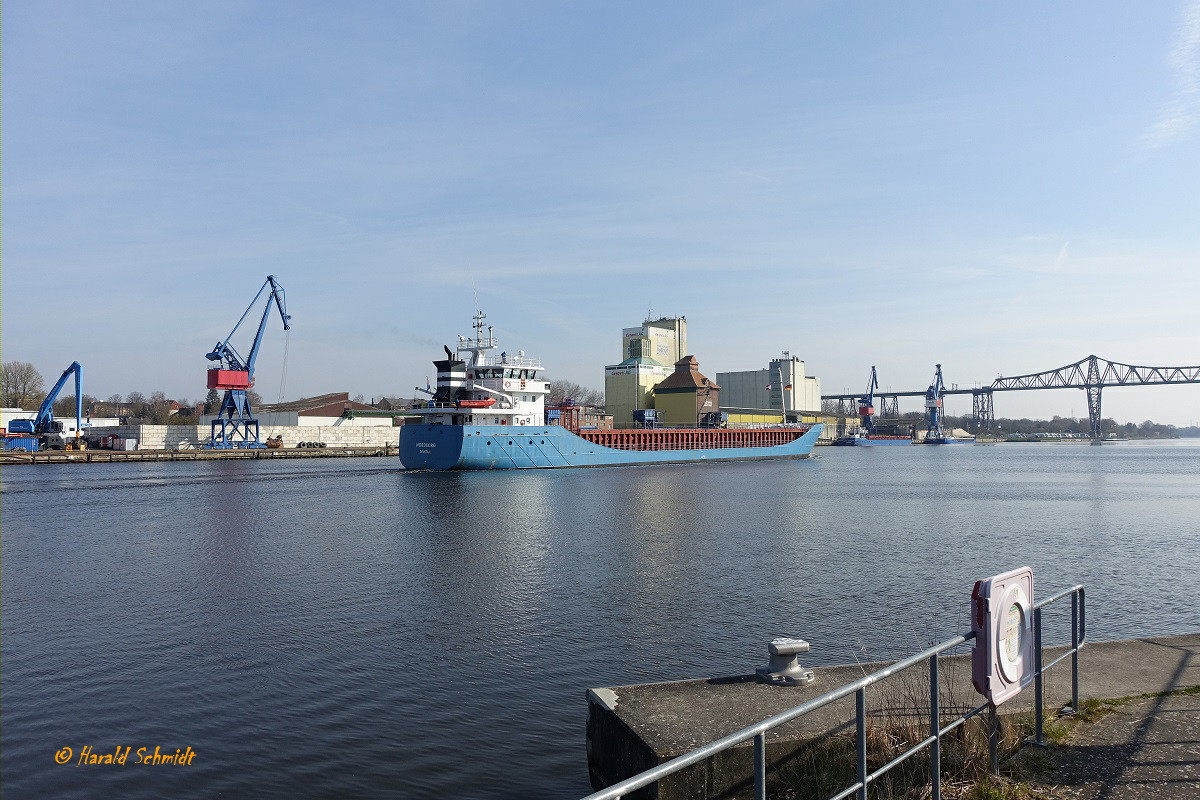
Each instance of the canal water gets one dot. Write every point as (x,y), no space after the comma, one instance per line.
(341,628)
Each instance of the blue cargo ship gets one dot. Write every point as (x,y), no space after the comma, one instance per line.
(488,412)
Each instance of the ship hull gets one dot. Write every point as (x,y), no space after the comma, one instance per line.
(442,447)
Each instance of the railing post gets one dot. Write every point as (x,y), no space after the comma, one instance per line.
(935,730)
(993,740)
(860,712)
(760,766)
(1038,686)
(1075,651)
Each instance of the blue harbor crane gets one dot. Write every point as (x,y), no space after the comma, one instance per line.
(866,405)
(933,409)
(54,434)
(235,425)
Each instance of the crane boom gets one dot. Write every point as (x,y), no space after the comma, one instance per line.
(241,371)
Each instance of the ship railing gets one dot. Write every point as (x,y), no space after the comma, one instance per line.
(515,362)
(937,729)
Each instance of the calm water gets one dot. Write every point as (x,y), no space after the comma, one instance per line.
(341,628)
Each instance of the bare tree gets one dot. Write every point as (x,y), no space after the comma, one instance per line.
(20,384)
(561,390)
(136,403)
(831,407)
(65,406)
(158,409)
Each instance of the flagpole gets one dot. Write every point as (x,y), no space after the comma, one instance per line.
(782,396)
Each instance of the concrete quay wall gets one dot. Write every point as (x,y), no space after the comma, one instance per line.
(175,437)
(633,728)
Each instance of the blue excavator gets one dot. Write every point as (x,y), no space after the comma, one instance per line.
(51,433)
(235,425)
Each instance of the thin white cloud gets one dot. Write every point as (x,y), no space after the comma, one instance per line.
(1181,112)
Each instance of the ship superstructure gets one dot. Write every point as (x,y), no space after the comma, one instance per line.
(476,386)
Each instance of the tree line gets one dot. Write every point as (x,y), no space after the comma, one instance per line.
(22,386)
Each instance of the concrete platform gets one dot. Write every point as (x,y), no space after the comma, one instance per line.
(198,454)
(632,728)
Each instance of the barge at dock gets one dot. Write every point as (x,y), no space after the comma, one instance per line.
(871,440)
(460,430)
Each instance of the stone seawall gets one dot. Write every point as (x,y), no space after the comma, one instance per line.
(175,437)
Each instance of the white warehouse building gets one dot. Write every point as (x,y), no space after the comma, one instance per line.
(781,388)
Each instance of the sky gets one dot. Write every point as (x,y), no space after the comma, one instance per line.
(1001,189)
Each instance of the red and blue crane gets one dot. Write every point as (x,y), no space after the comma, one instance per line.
(866,405)
(235,425)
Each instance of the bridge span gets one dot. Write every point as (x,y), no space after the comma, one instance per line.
(1091,374)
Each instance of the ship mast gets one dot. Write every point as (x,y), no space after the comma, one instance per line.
(481,343)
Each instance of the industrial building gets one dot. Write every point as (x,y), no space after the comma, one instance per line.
(685,395)
(657,372)
(781,392)
(326,410)
(647,353)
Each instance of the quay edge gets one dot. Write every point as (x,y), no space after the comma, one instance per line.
(633,728)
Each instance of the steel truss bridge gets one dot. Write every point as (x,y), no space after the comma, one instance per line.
(1091,374)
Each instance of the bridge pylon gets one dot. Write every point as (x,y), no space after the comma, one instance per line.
(983,414)
(1092,388)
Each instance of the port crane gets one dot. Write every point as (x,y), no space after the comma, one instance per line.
(866,405)
(933,408)
(235,425)
(54,434)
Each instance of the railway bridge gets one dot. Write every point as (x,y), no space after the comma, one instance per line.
(1091,374)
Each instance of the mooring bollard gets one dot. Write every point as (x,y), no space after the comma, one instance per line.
(784,668)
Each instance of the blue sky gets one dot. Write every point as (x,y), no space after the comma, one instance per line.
(1001,189)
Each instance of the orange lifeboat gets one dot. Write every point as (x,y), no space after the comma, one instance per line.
(491,401)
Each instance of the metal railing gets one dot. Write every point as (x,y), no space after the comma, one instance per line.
(509,361)
(858,688)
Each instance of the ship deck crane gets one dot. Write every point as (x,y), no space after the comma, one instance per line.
(235,425)
(50,432)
